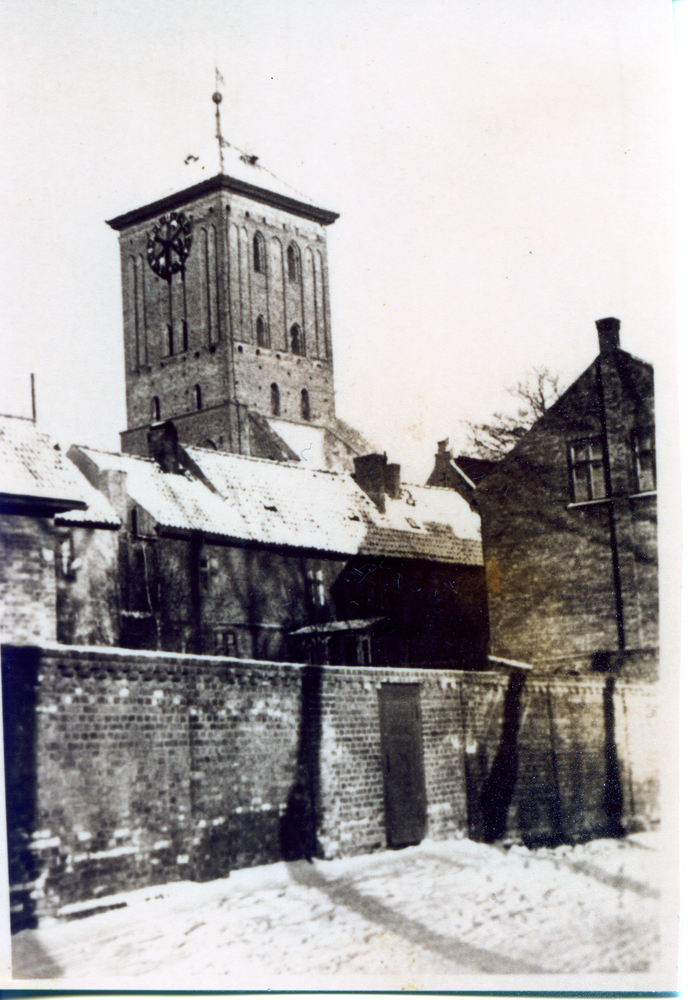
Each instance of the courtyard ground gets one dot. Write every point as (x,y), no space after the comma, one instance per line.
(447,908)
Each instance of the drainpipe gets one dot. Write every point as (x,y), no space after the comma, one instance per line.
(608,331)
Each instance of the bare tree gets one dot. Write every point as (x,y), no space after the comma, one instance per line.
(535,394)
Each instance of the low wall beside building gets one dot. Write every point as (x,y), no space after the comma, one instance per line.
(127,768)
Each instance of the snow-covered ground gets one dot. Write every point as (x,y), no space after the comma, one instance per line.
(441,909)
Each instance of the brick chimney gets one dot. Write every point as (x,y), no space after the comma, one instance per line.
(442,474)
(163,446)
(608,333)
(369,473)
(113,483)
(378,478)
(393,480)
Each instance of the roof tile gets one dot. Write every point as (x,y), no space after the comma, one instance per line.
(281,504)
(31,468)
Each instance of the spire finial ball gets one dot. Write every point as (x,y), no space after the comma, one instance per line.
(217,97)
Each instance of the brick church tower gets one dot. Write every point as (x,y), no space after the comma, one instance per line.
(227,320)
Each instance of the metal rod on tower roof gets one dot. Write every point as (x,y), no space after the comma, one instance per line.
(217,98)
(33,397)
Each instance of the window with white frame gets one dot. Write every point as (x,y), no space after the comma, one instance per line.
(225,643)
(66,564)
(316,587)
(587,469)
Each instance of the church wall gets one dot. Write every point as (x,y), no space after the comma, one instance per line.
(126,769)
(207,429)
(258,368)
(223,298)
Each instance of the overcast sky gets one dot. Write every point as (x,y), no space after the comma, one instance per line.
(502,170)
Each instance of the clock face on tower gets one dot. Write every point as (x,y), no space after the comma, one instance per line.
(169,244)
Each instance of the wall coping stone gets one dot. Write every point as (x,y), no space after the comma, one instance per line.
(136,659)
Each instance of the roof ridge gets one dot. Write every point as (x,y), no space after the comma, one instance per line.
(272,462)
(427,486)
(16,416)
(115,454)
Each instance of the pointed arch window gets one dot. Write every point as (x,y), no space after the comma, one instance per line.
(258,253)
(305,405)
(198,397)
(262,337)
(296,340)
(155,408)
(294,262)
(275,399)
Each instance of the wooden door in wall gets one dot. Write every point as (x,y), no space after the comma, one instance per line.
(402,763)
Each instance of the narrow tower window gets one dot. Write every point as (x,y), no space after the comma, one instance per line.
(293,262)
(185,336)
(259,253)
(305,405)
(296,340)
(170,339)
(262,338)
(275,399)
(198,397)
(155,408)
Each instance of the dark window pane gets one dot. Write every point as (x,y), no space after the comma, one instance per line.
(596,481)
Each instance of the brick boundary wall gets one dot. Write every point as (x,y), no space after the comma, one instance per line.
(128,768)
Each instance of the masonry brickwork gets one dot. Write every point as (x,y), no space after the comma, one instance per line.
(549,564)
(27,578)
(572,584)
(214,341)
(87,586)
(182,595)
(127,769)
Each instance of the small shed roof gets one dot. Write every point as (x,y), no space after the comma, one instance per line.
(347,625)
(36,477)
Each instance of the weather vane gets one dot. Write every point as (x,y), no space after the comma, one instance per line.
(217,98)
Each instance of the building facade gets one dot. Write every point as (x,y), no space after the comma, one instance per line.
(569,525)
(227,321)
(58,549)
(223,554)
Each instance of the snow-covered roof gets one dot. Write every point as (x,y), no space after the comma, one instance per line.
(243,174)
(174,501)
(34,474)
(244,165)
(305,440)
(290,506)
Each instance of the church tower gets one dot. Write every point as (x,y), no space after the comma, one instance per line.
(227,318)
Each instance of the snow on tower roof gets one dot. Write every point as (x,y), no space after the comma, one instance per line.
(243,174)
